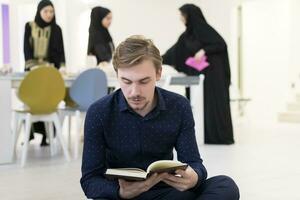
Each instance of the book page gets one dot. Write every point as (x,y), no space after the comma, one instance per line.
(126,173)
(129,169)
(166,166)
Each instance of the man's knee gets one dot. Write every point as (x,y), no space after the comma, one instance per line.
(184,195)
(227,186)
(167,193)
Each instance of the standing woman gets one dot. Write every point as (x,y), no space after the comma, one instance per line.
(43,44)
(43,41)
(100,42)
(198,39)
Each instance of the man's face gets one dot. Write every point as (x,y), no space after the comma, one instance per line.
(138,85)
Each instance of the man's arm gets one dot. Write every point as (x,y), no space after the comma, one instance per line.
(186,144)
(93,183)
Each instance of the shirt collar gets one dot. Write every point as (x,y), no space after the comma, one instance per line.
(161,104)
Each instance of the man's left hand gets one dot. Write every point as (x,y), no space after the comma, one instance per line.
(183,180)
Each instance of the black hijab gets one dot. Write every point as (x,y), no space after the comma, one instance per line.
(56,54)
(98,34)
(194,18)
(38,18)
(96,27)
(197,29)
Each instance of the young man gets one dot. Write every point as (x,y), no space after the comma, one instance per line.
(139,124)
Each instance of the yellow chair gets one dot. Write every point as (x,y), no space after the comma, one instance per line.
(41,91)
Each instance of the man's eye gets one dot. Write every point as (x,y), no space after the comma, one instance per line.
(127,82)
(145,82)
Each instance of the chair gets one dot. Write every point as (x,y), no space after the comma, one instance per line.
(41,91)
(88,87)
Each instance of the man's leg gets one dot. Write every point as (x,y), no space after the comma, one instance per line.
(100,199)
(167,193)
(218,188)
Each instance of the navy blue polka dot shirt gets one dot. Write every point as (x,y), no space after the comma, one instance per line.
(115,136)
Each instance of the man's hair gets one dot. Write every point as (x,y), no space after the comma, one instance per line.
(134,50)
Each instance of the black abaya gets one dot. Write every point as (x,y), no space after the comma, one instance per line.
(200,35)
(56,53)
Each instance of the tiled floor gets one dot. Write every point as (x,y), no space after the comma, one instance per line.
(265,163)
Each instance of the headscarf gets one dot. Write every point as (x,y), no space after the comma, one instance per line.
(193,16)
(197,29)
(38,18)
(56,54)
(97,32)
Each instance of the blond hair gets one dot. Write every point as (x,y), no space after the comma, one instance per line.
(135,50)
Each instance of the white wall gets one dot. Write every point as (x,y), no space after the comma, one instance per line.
(1,48)
(294,72)
(267,52)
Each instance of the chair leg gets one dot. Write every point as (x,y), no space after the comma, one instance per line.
(69,131)
(51,137)
(62,116)
(26,139)
(15,132)
(60,137)
(77,134)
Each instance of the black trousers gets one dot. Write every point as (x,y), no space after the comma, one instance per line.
(215,188)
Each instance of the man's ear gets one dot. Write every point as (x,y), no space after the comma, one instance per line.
(158,74)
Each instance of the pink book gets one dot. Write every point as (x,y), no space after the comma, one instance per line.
(197,64)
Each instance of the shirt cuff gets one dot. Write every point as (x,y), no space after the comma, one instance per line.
(200,179)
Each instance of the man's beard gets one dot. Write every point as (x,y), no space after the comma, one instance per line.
(138,99)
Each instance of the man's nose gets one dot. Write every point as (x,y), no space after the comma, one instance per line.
(135,90)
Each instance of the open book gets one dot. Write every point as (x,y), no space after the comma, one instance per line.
(136,174)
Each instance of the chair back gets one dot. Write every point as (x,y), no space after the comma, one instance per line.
(88,87)
(42,89)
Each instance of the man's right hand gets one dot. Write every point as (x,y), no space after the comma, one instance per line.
(129,189)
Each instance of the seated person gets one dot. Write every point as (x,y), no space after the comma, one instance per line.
(139,124)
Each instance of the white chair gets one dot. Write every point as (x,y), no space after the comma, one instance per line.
(41,90)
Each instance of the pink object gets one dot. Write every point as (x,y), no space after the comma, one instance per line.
(197,64)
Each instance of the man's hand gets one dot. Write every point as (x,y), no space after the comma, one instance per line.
(130,190)
(183,180)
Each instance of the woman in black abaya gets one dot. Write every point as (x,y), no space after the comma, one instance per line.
(198,38)
(43,40)
(100,42)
